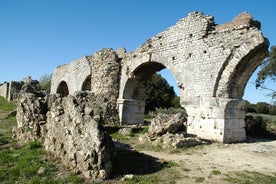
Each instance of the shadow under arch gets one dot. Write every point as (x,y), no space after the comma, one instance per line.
(86,85)
(236,72)
(63,89)
(133,88)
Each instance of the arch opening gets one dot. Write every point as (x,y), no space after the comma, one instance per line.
(86,85)
(146,81)
(236,74)
(63,89)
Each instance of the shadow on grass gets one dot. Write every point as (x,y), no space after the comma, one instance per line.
(129,161)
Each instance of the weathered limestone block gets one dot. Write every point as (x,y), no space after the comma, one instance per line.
(105,68)
(74,75)
(77,138)
(31,117)
(164,123)
(71,129)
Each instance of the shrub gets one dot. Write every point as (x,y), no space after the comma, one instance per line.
(262,107)
(255,126)
(250,108)
(272,111)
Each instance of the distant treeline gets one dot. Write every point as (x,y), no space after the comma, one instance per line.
(260,107)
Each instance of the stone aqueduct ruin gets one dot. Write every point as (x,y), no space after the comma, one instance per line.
(210,63)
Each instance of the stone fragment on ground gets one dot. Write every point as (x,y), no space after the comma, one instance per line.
(165,123)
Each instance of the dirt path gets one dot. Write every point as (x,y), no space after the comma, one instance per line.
(222,158)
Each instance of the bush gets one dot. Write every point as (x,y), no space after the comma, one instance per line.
(272,111)
(255,126)
(250,108)
(262,107)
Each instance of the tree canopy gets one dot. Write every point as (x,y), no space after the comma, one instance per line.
(45,82)
(159,94)
(268,71)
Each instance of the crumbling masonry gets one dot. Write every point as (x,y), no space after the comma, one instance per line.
(210,63)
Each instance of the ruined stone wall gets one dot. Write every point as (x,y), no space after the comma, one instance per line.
(31,117)
(14,89)
(196,51)
(4,89)
(211,64)
(71,129)
(74,74)
(105,68)
(10,90)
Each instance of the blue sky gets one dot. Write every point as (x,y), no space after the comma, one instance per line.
(38,35)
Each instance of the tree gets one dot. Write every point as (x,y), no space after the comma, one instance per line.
(158,93)
(268,71)
(250,108)
(45,82)
(262,107)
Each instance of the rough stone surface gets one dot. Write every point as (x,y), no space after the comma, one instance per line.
(211,64)
(74,136)
(125,131)
(11,90)
(69,131)
(164,123)
(4,90)
(169,140)
(31,117)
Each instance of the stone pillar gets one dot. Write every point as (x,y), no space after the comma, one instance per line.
(223,120)
(131,111)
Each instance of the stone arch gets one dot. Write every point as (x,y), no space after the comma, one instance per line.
(229,88)
(236,71)
(63,89)
(140,74)
(131,102)
(86,85)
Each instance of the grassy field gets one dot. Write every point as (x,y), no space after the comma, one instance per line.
(28,163)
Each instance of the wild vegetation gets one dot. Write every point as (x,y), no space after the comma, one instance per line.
(268,71)
(26,163)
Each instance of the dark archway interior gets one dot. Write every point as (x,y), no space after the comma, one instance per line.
(63,89)
(86,86)
(146,70)
(134,86)
(147,86)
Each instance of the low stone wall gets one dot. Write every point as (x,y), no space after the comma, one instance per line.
(4,88)
(71,129)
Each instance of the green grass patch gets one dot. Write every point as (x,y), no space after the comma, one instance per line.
(22,164)
(6,106)
(119,137)
(199,179)
(7,124)
(216,172)
(149,146)
(247,177)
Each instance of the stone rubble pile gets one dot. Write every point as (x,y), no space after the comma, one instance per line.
(169,131)
(71,129)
